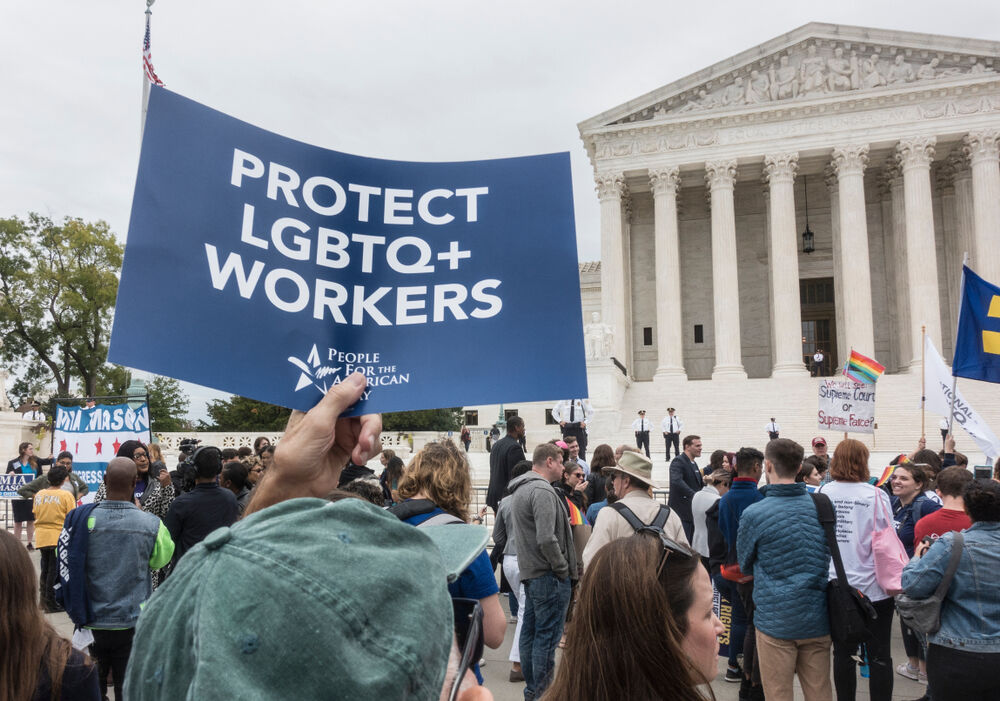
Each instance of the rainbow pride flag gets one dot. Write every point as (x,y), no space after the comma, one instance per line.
(576,517)
(863,369)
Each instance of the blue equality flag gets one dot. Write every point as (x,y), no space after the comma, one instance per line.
(262,266)
(977,346)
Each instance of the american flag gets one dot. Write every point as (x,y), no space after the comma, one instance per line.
(147,58)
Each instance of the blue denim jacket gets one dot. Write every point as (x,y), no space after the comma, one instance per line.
(970,613)
(121,543)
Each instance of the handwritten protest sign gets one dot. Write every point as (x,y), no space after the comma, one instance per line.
(845,405)
(273,269)
(94,436)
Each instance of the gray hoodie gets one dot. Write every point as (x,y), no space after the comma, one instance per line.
(541,527)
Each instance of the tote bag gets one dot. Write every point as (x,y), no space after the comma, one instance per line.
(888,551)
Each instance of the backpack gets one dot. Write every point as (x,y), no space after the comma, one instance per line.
(657,525)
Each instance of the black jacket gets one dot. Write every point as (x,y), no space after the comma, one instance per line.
(505,454)
(685,480)
(195,514)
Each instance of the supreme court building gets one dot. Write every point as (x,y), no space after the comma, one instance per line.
(818,190)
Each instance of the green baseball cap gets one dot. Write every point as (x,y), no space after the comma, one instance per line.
(307,599)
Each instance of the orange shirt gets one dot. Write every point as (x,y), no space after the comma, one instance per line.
(50,507)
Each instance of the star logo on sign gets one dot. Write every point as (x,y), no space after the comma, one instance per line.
(116,445)
(98,446)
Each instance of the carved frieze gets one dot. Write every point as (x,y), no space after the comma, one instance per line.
(817,68)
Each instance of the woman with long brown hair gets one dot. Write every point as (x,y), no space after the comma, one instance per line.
(435,489)
(35,661)
(644,627)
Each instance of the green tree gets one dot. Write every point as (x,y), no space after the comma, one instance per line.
(57,293)
(168,404)
(242,414)
(423,420)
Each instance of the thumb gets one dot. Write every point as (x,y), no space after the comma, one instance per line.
(338,400)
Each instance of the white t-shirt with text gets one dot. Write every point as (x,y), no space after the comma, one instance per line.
(857,518)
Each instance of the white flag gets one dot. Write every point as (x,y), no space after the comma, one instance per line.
(938,380)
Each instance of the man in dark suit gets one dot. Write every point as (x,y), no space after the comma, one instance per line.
(506,453)
(685,480)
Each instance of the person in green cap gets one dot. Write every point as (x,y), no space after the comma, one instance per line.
(364,593)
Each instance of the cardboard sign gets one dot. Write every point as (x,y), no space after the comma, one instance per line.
(845,405)
(262,266)
(94,436)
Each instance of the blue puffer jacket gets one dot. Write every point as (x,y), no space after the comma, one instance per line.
(781,543)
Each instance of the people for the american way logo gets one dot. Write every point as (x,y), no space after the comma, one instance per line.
(322,377)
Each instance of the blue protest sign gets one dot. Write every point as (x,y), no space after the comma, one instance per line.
(262,266)
(9,484)
(94,436)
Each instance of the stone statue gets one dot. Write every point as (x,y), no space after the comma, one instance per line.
(757,88)
(871,77)
(784,80)
(900,72)
(4,402)
(704,101)
(598,338)
(978,68)
(843,72)
(735,94)
(812,78)
(927,71)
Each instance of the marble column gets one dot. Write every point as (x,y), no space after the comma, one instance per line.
(610,189)
(849,161)
(965,212)
(915,157)
(830,178)
(665,183)
(984,155)
(784,265)
(721,179)
(894,176)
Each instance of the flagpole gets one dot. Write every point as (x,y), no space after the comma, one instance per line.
(923,380)
(145,80)
(954,377)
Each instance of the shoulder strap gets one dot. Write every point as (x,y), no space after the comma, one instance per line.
(661,518)
(956,555)
(440,520)
(827,519)
(628,515)
(658,523)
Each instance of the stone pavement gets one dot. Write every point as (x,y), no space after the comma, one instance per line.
(497,666)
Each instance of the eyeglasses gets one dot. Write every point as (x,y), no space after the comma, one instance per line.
(469,635)
(669,545)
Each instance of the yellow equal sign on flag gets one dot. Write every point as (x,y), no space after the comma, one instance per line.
(991,339)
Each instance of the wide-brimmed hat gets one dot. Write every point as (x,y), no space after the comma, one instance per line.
(637,466)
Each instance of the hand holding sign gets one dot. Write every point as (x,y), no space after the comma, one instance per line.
(316,446)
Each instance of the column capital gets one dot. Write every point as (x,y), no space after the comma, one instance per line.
(830,178)
(780,166)
(850,159)
(610,186)
(720,173)
(959,163)
(982,145)
(916,152)
(665,180)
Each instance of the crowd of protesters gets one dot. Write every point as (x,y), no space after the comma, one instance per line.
(198,582)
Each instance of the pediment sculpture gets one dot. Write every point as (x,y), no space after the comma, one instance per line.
(816,70)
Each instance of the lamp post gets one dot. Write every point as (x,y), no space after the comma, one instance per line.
(808,245)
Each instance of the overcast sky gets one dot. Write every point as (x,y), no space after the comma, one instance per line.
(424,81)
